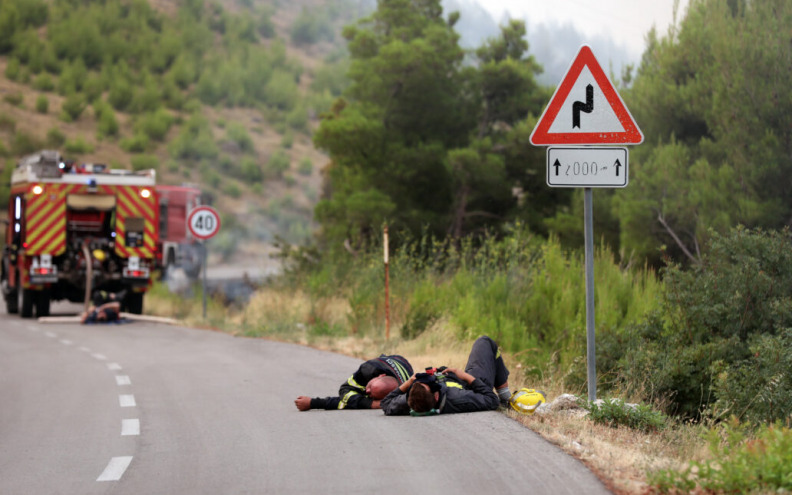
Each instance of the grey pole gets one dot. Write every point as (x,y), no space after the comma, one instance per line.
(205,258)
(589,241)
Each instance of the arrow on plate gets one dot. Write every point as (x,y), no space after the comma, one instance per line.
(617,165)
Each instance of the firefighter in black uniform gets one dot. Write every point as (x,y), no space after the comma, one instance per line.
(449,390)
(372,381)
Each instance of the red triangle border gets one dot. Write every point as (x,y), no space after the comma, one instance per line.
(585,58)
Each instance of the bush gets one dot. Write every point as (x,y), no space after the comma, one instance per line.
(107,124)
(72,107)
(144,162)
(78,146)
(250,170)
(743,462)
(154,125)
(55,138)
(13,70)
(614,413)
(15,99)
(305,167)
(42,104)
(136,144)
(237,133)
(278,163)
(43,82)
(725,326)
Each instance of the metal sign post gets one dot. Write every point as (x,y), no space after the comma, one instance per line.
(204,223)
(588,234)
(587,110)
(387,283)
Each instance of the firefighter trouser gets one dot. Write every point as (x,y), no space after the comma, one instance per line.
(486,363)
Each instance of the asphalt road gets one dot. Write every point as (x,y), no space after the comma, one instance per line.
(147,408)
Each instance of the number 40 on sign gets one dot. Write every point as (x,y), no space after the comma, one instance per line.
(203,222)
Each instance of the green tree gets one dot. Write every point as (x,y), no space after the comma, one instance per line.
(714,101)
(389,135)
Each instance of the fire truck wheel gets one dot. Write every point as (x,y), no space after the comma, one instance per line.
(134,303)
(12,303)
(26,303)
(43,304)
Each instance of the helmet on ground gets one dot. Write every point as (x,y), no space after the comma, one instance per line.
(526,400)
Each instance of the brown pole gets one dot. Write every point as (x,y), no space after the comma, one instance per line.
(387,284)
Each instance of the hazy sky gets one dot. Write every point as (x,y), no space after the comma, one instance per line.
(625,21)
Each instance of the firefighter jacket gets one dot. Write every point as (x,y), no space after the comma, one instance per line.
(456,396)
(352,393)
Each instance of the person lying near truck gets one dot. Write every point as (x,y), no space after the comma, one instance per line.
(367,386)
(106,313)
(482,386)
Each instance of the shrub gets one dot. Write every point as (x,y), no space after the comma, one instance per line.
(24,144)
(278,163)
(107,124)
(250,170)
(136,144)
(78,146)
(72,107)
(614,413)
(743,462)
(15,99)
(237,133)
(154,125)
(121,94)
(43,82)
(725,326)
(42,104)
(144,162)
(13,69)
(305,167)
(55,138)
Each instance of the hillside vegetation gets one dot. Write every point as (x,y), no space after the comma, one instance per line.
(220,94)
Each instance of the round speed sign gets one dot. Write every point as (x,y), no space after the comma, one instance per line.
(203,222)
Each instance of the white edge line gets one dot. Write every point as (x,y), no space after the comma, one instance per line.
(130,427)
(115,469)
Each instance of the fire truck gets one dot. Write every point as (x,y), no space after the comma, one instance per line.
(73,229)
(177,248)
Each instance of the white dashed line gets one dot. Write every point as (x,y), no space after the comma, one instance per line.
(100,357)
(85,349)
(32,329)
(130,427)
(115,469)
(113,366)
(123,380)
(127,400)
(66,342)
(51,335)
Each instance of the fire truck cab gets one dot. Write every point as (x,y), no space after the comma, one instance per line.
(73,229)
(177,248)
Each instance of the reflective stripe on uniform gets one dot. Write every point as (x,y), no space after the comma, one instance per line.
(345,399)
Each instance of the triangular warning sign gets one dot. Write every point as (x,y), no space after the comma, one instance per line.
(586,109)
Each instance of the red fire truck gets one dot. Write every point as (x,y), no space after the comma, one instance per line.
(177,248)
(73,229)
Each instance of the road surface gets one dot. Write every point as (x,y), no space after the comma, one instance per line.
(147,408)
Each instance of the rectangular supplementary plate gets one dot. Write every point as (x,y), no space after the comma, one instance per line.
(586,166)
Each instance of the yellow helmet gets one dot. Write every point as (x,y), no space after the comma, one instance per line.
(99,254)
(526,400)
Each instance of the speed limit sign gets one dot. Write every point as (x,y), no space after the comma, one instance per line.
(203,222)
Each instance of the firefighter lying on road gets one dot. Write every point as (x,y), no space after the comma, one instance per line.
(107,312)
(450,390)
(372,381)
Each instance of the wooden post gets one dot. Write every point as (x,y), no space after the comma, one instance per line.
(387,284)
